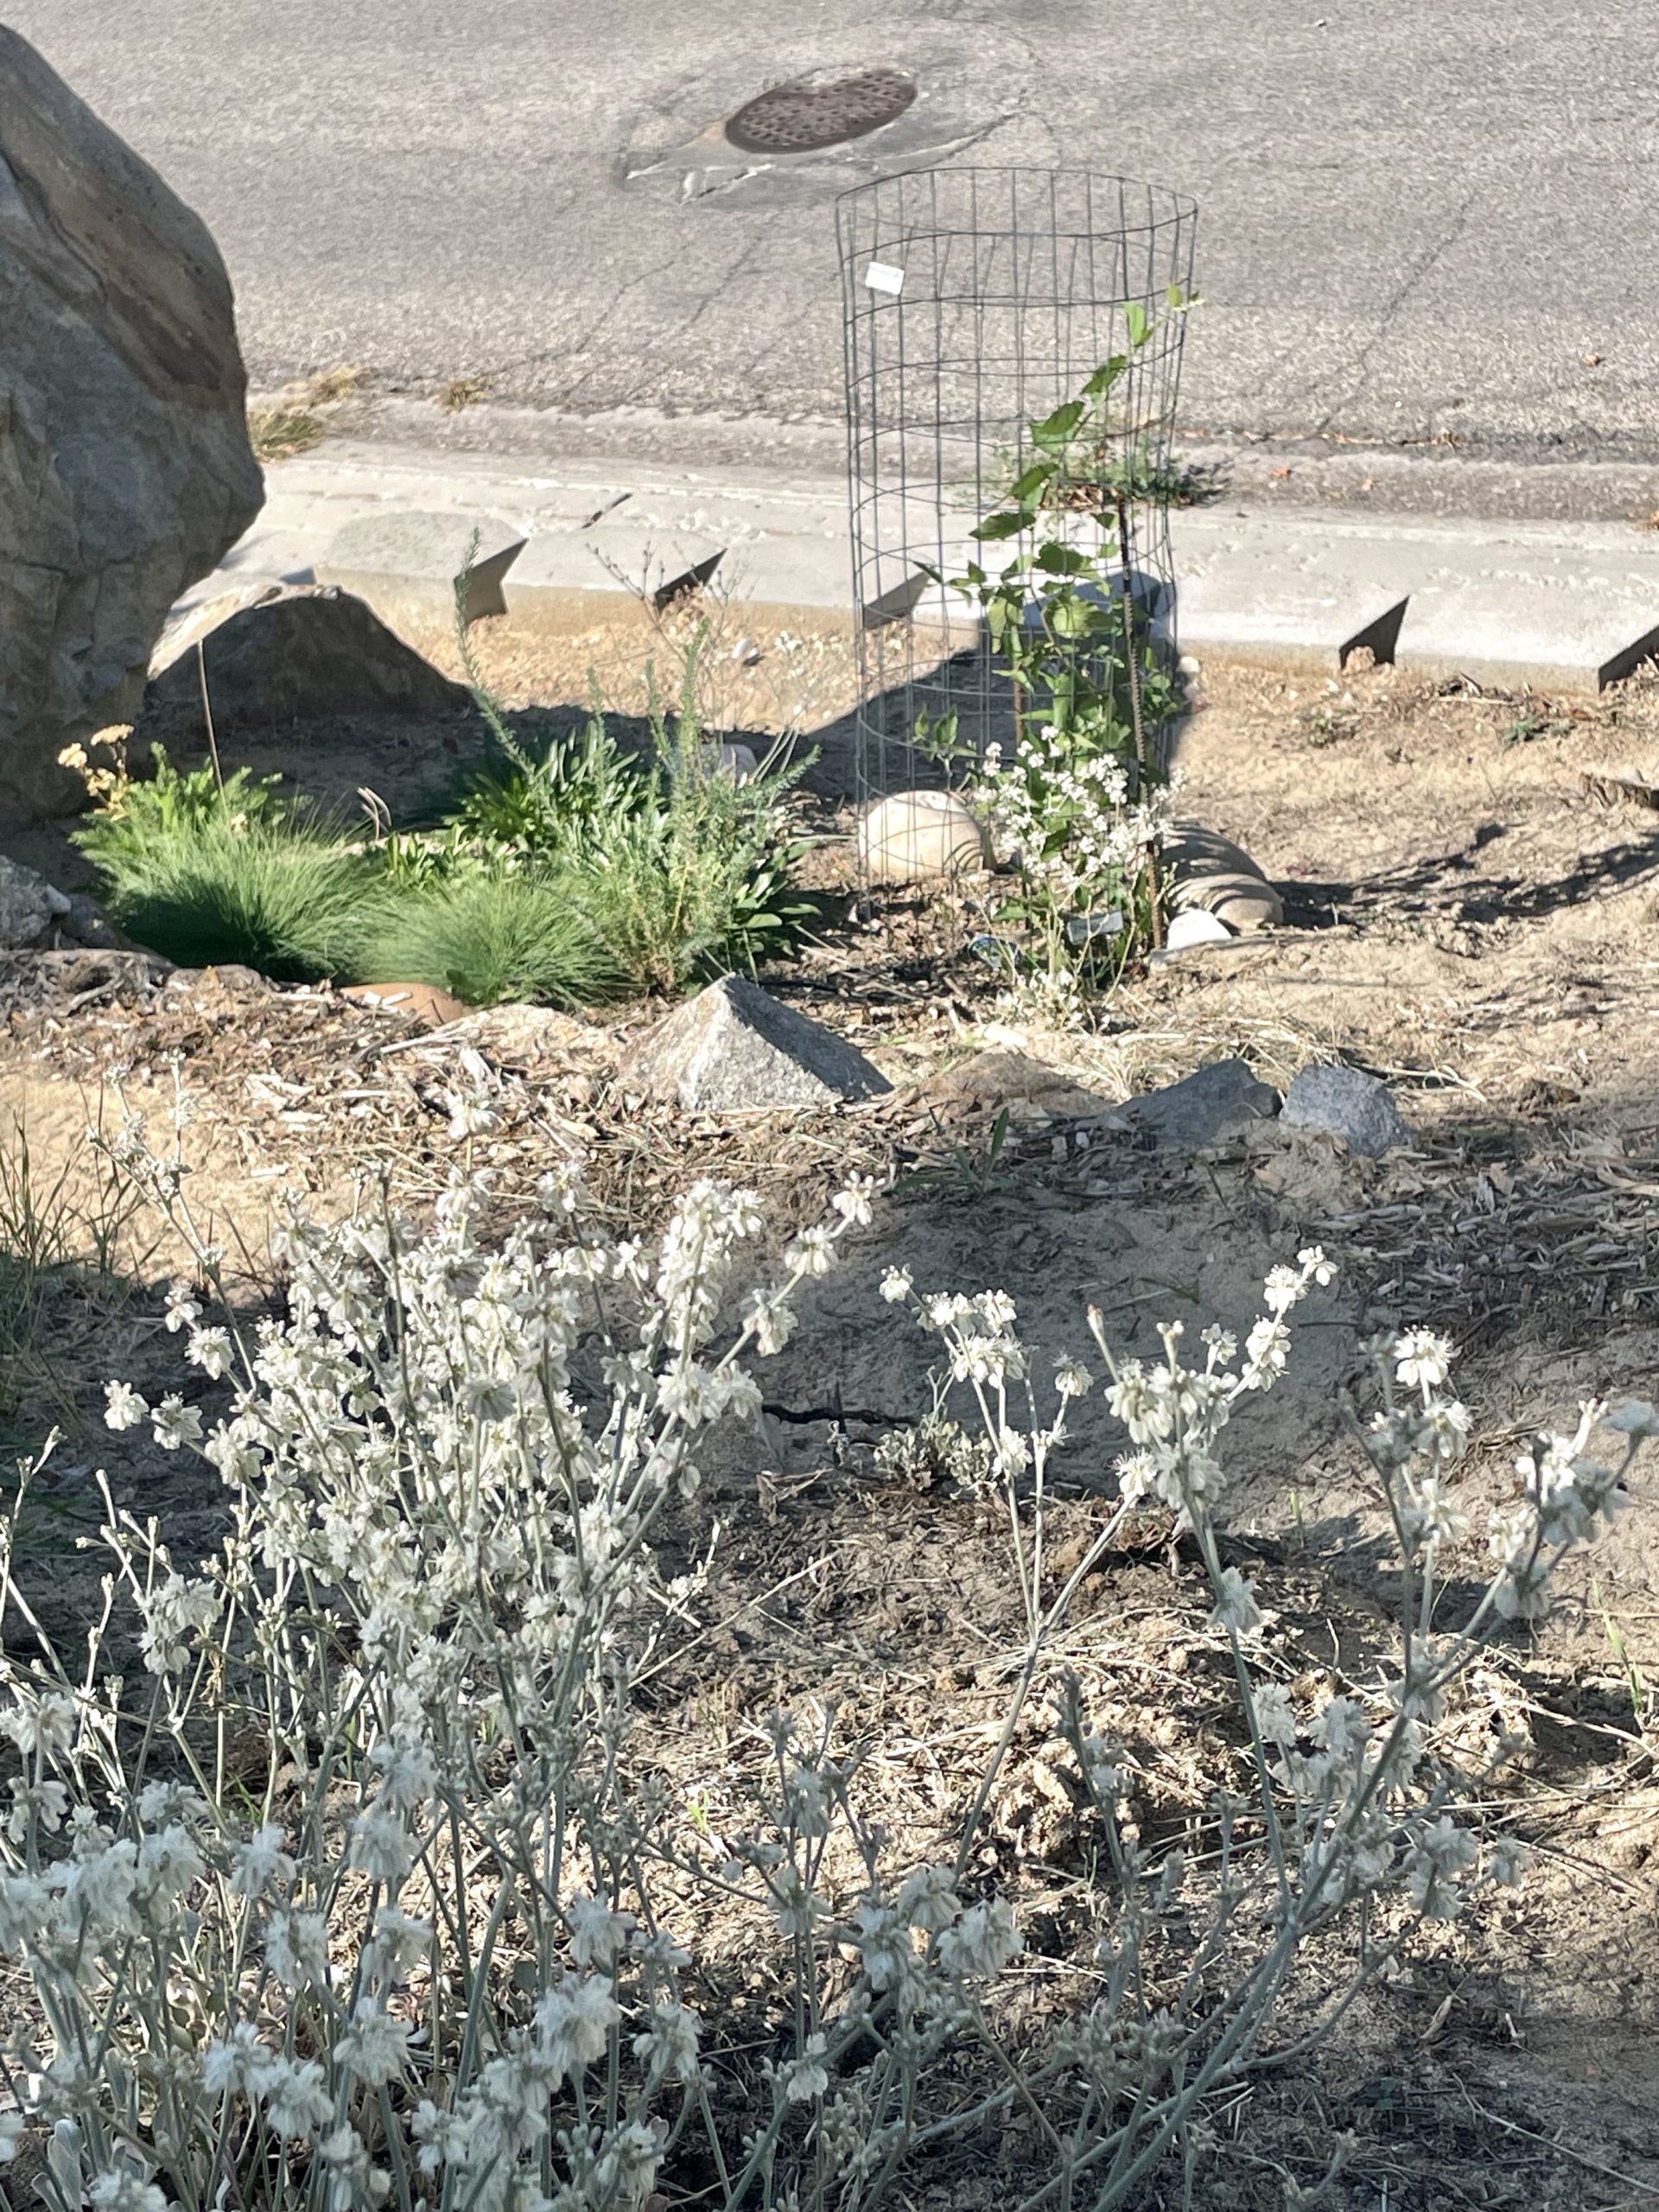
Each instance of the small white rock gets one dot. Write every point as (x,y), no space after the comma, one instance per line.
(915,834)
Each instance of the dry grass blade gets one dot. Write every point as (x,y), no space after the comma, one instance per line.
(1618,791)
(288,423)
(280,431)
(348,381)
(461,393)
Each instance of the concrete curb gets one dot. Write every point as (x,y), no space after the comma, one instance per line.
(1555,606)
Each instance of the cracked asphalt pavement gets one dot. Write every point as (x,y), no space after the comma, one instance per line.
(1420,222)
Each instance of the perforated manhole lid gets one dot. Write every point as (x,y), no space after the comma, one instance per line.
(798,118)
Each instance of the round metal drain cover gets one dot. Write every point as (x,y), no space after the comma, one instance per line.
(799,119)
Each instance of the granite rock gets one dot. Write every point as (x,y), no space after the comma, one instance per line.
(125,467)
(1347,1103)
(734,1049)
(1218,1102)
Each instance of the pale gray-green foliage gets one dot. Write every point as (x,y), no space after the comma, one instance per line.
(364,1897)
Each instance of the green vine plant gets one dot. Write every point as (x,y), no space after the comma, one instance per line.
(1078,802)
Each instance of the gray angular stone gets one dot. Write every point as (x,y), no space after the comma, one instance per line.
(1219,1102)
(735,1050)
(286,653)
(1348,1104)
(125,468)
(86,923)
(28,905)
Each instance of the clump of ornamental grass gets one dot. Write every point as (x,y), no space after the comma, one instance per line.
(566,875)
(348,1889)
(494,933)
(680,863)
(694,882)
(205,873)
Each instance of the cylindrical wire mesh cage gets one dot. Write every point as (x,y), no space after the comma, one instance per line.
(979,301)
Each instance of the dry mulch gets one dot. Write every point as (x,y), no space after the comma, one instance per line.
(1467,919)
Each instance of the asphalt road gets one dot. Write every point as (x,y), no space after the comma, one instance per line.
(1429,218)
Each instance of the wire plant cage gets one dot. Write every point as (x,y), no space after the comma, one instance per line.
(979,301)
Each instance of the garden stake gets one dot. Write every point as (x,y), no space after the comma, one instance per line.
(208,716)
(1132,670)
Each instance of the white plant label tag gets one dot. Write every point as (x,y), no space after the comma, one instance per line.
(882,277)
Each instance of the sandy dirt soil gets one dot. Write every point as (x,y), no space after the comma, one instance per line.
(1466,918)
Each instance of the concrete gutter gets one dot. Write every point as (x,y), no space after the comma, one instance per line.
(1558,606)
(569,543)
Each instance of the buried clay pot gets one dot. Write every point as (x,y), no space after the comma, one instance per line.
(1208,873)
(420,1002)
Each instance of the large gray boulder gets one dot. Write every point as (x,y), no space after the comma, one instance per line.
(126,469)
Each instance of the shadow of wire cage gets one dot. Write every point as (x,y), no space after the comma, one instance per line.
(976,301)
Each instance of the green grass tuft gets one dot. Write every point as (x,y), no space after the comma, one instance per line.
(247,875)
(693,884)
(682,873)
(492,935)
(287,901)
(571,873)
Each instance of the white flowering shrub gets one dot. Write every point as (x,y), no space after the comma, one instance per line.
(345,1890)
(1080,802)
(1083,829)
(331,1911)
(1352,1817)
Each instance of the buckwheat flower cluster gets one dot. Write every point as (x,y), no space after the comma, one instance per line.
(1175,1413)
(927,1955)
(488,2141)
(349,1887)
(1358,1796)
(411,1428)
(445,1457)
(1564,1496)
